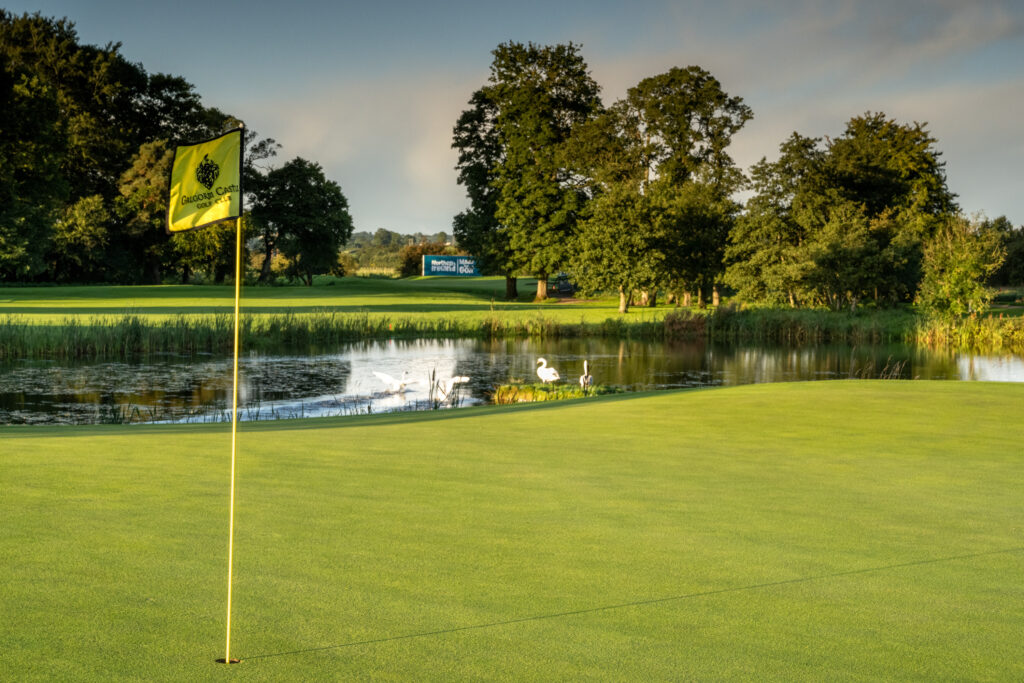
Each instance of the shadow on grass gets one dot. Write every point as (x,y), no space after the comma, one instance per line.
(638,603)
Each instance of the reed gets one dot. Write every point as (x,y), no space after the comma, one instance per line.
(808,326)
(506,394)
(132,335)
(973,333)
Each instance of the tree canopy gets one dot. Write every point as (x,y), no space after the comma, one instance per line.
(307,216)
(86,139)
(839,221)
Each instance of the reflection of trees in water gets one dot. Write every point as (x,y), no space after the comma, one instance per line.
(74,393)
(37,391)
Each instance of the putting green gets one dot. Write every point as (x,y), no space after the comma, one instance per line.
(832,530)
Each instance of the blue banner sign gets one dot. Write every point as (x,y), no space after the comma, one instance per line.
(450,265)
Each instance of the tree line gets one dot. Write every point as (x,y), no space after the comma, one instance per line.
(639,197)
(636,197)
(86,146)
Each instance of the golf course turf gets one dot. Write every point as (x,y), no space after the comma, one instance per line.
(815,531)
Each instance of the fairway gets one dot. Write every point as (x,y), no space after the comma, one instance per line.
(419,298)
(829,530)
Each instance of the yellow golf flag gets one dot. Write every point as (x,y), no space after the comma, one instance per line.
(206,183)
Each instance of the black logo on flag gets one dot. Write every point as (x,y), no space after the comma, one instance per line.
(207,172)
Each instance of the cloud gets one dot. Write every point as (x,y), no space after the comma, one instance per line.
(803,66)
(386,141)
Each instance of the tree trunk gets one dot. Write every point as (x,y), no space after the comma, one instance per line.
(511,290)
(623,300)
(686,299)
(714,296)
(265,268)
(700,298)
(542,287)
(186,273)
(644,298)
(652,299)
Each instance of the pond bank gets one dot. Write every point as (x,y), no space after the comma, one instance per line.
(131,335)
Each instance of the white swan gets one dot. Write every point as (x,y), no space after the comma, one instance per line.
(585,379)
(392,385)
(545,373)
(445,386)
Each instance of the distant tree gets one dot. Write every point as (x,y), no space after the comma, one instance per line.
(1011,272)
(958,260)
(379,249)
(411,256)
(307,214)
(540,93)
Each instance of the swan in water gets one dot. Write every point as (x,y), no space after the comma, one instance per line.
(545,373)
(394,386)
(585,379)
(446,386)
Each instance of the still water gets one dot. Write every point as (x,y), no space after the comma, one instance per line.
(342,382)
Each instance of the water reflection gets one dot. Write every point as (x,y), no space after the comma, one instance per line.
(173,388)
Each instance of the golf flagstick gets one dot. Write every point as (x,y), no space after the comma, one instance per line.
(205,189)
(234,434)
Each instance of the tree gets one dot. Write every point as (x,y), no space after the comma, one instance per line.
(80,239)
(477,229)
(665,144)
(765,253)
(32,188)
(1011,272)
(307,214)
(540,93)
(695,220)
(613,249)
(687,122)
(73,120)
(411,256)
(142,244)
(873,195)
(958,260)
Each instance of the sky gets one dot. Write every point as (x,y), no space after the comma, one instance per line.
(371,90)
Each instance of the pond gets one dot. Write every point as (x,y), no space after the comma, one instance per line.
(342,382)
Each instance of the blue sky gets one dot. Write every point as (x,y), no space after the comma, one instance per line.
(371,90)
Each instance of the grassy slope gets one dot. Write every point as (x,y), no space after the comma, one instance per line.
(799,531)
(413,298)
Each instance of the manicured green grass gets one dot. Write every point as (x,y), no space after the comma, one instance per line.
(461,299)
(813,531)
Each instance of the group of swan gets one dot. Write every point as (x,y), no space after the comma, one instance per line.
(445,387)
(548,375)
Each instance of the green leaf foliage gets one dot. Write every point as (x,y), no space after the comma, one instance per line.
(958,260)
(308,215)
(839,222)
(540,94)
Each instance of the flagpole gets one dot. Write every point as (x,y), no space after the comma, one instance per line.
(234,433)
